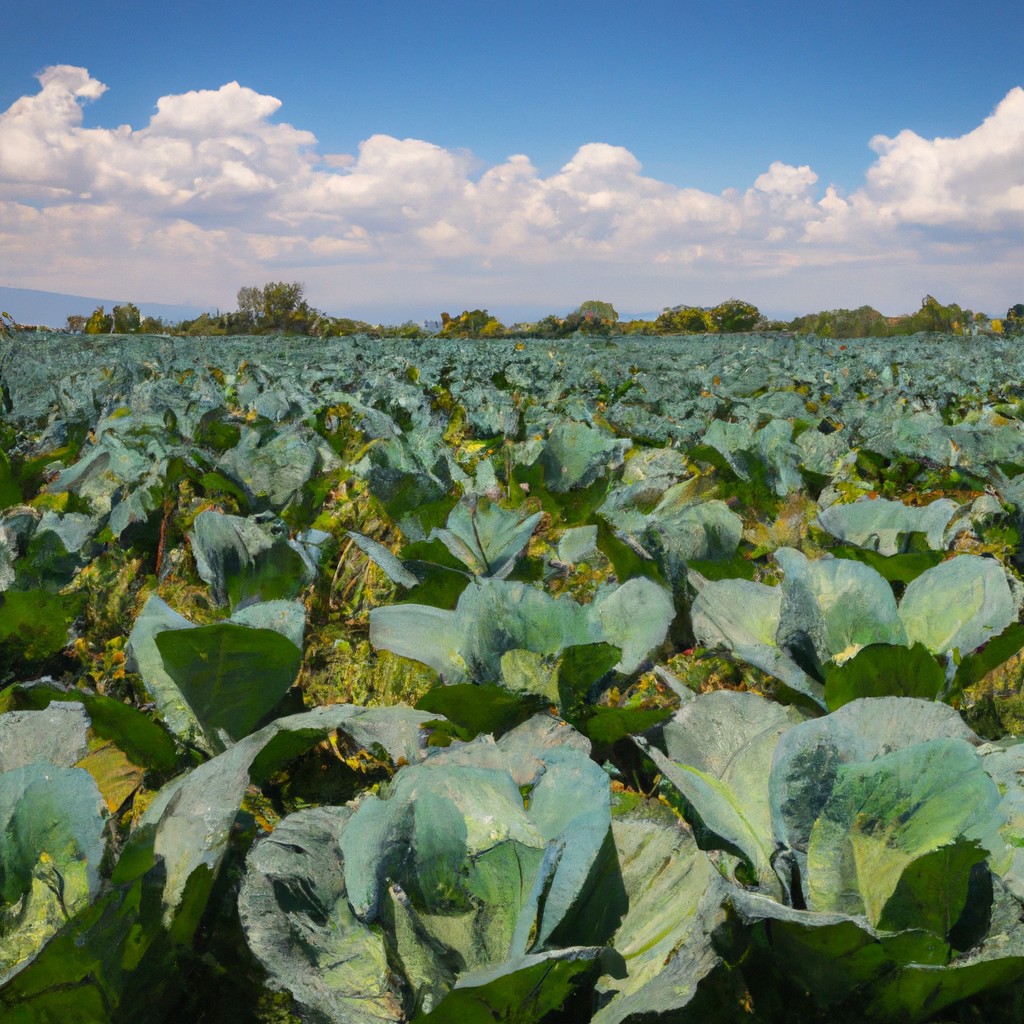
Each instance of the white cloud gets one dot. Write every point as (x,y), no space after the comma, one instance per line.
(213,193)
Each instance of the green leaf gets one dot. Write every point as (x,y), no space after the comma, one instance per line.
(520,991)
(52,826)
(300,926)
(486,537)
(974,667)
(232,676)
(575,455)
(59,735)
(478,709)
(880,524)
(392,567)
(581,666)
(715,755)
(34,627)
(675,899)
(744,617)
(885,670)
(635,617)
(900,568)
(809,757)
(959,605)
(243,561)
(606,726)
(143,656)
(871,849)
(142,739)
(832,606)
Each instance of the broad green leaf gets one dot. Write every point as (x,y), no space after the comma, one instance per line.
(285,617)
(520,991)
(144,657)
(874,848)
(300,926)
(34,626)
(974,667)
(433,636)
(232,676)
(901,568)
(706,531)
(142,739)
(880,524)
(272,469)
(485,537)
(635,617)
(744,617)
(476,709)
(959,604)
(1004,763)
(606,726)
(577,544)
(920,990)
(243,560)
(675,904)
(833,606)
(716,754)
(885,670)
(809,756)
(52,826)
(581,666)
(191,816)
(58,735)
(575,455)
(526,672)
(839,960)
(116,776)
(448,881)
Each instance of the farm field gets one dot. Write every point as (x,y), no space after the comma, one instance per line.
(627,680)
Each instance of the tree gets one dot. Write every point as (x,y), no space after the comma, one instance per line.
(735,316)
(471,323)
(684,320)
(1013,322)
(127,319)
(277,306)
(76,323)
(862,322)
(933,316)
(596,308)
(100,322)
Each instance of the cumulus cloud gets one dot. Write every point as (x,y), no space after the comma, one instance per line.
(214,193)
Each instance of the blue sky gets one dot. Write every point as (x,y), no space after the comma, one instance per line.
(693,104)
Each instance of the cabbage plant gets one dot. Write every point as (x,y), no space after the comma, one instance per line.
(868,848)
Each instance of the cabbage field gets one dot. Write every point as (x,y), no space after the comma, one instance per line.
(634,681)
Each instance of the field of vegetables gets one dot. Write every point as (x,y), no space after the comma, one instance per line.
(634,681)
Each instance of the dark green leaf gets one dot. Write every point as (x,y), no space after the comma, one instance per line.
(885,670)
(974,667)
(145,742)
(477,710)
(901,568)
(232,676)
(608,725)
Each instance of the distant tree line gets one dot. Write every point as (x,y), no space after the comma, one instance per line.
(280,307)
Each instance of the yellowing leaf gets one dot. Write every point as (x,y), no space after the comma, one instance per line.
(116,776)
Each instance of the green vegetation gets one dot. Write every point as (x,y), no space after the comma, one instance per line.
(546,680)
(280,307)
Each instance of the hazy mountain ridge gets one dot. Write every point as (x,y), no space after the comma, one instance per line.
(51,309)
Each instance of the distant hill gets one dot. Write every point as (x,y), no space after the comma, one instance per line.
(51,309)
